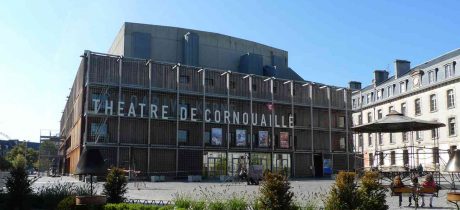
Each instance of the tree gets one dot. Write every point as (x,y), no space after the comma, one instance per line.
(275,193)
(18,185)
(372,193)
(115,185)
(31,155)
(344,193)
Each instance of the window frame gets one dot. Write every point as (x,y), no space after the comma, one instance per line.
(433,103)
(418,107)
(450,99)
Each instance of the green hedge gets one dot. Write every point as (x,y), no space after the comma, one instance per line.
(126,206)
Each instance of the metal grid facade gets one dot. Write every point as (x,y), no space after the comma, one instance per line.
(163,119)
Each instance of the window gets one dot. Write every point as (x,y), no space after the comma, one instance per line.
(418,135)
(184,79)
(452,130)
(379,94)
(209,82)
(102,99)
(380,135)
(368,98)
(406,157)
(369,117)
(341,122)
(389,91)
(360,140)
(372,97)
(362,99)
(433,106)
(381,159)
(360,119)
(182,136)
(379,114)
(434,134)
(404,136)
(435,155)
(418,110)
(403,108)
(393,157)
(449,71)
(98,130)
(390,108)
(369,140)
(402,87)
(450,99)
(432,76)
(371,159)
(353,102)
(391,138)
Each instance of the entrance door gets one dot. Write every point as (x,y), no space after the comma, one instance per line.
(318,160)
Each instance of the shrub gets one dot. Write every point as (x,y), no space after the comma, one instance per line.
(183,202)
(48,197)
(67,203)
(344,193)
(275,193)
(216,205)
(372,193)
(18,186)
(126,206)
(115,186)
(236,204)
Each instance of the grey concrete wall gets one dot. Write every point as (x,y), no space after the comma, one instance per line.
(118,44)
(215,50)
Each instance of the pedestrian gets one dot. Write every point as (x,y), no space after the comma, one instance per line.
(428,183)
(397,183)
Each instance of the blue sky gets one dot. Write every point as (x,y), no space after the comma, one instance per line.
(331,42)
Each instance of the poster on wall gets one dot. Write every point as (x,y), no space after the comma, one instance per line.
(284,139)
(216,138)
(263,139)
(240,137)
(327,169)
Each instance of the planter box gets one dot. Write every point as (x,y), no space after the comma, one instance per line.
(194,178)
(90,200)
(157,178)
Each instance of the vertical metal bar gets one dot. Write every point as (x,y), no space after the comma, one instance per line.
(204,106)
(177,119)
(149,136)
(120,69)
(228,123)
(273,123)
(311,133)
(88,68)
(250,116)
(345,96)
(293,130)
(328,92)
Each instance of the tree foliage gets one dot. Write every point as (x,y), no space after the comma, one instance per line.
(20,149)
(115,186)
(275,193)
(18,186)
(346,194)
(372,193)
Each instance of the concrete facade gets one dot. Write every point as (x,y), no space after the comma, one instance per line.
(213,50)
(428,92)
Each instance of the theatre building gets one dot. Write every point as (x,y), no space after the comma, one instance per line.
(178,102)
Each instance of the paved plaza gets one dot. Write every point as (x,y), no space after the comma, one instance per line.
(303,189)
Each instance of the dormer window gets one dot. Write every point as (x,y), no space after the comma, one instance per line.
(449,71)
(402,87)
(432,76)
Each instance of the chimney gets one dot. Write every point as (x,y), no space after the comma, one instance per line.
(380,76)
(401,67)
(354,85)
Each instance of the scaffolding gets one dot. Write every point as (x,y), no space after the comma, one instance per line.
(50,158)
